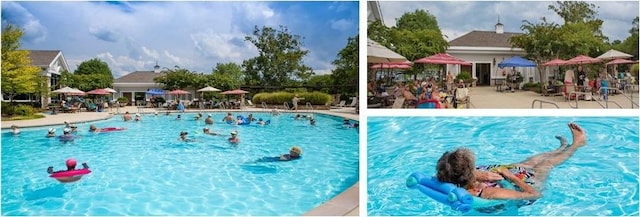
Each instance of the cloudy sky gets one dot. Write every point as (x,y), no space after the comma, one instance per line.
(457,18)
(131,36)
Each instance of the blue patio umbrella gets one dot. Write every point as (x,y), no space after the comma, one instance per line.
(516,61)
(155,92)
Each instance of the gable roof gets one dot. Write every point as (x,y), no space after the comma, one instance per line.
(43,57)
(139,77)
(484,39)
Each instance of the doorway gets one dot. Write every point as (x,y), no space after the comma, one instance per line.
(483,70)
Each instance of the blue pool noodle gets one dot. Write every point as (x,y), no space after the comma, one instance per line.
(446,193)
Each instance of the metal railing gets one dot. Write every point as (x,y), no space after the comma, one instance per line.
(264,106)
(541,101)
(286,106)
(607,101)
(309,107)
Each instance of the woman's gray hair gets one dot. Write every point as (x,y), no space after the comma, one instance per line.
(456,167)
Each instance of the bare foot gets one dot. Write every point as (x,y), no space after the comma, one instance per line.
(579,136)
(563,141)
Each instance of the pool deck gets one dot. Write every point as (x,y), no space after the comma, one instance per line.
(344,204)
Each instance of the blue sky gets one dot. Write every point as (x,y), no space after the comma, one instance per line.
(457,18)
(131,36)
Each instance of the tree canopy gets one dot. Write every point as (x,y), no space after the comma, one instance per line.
(226,76)
(177,78)
(18,75)
(90,75)
(279,61)
(346,66)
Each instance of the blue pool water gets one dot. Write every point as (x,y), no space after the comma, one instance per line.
(601,178)
(145,170)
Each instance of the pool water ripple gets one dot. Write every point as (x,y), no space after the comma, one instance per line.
(145,170)
(600,179)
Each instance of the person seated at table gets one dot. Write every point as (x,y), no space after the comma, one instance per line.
(138,118)
(126,116)
(51,133)
(409,98)
(371,88)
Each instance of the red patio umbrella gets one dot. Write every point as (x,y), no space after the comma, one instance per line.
(234,92)
(555,62)
(582,59)
(99,92)
(620,61)
(178,92)
(442,58)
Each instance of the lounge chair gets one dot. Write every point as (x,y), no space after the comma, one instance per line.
(249,103)
(398,103)
(353,102)
(342,103)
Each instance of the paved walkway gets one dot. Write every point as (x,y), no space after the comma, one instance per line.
(488,97)
(346,203)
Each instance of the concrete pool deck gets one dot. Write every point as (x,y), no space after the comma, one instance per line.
(344,204)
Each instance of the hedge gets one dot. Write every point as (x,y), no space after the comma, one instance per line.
(17,110)
(279,98)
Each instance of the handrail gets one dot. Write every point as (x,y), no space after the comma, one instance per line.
(222,105)
(542,102)
(625,95)
(286,106)
(264,106)
(577,94)
(309,107)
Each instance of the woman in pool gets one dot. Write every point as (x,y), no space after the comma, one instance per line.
(66,135)
(234,137)
(138,118)
(209,119)
(16,129)
(458,167)
(51,133)
(183,137)
(208,132)
(71,165)
(126,116)
(229,118)
(294,154)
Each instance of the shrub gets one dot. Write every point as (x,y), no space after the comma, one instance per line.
(634,71)
(465,76)
(531,87)
(17,110)
(123,100)
(277,98)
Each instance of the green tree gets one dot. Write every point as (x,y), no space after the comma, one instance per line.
(226,76)
(379,33)
(279,61)
(323,81)
(18,75)
(575,11)
(346,67)
(92,74)
(541,41)
(419,19)
(177,78)
(630,44)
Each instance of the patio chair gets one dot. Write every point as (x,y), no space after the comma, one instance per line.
(342,102)
(398,103)
(249,103)
(353,102)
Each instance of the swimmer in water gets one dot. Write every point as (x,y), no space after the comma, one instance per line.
(66,135)
(183,137)
(71,165)
(138,118)
(126,116)
(16,129)
(51,133)
(209,119)
(260,122)
(234,137)
(229,118)
(208,132)
(178,118)
(294,154)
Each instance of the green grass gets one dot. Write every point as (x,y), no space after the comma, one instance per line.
(20,118)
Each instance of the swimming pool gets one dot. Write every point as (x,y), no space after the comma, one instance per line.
(601,178)
(145,170)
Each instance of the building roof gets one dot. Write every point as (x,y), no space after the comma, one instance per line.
(139,77)
(484,39)
(43,57)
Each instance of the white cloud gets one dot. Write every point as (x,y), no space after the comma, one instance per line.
(172,57)
(221,46)
(151,53)
(258,10)
(342,24)
(17,15)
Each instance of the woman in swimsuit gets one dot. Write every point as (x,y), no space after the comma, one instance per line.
(458,167)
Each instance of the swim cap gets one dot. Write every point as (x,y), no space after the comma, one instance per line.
(52,130)
(259,119)
(234,133)
(297,150)
(71,162)
(209,115)
(66,130)
(137,114)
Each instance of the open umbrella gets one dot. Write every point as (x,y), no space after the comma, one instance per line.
(614,54)
(442,58)
(620,61)
(555,62)
(99,92)
(402,65)
(516,61)
(582,59)
(178,92)
(234,92)
(376,53)
(209,89)
(69,91)
(155,92)
(110,90)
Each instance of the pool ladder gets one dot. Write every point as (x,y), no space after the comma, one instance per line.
(310,108)
(286,106)
(543,102)
(265,108)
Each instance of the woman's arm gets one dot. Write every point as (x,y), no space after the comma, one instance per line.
(487,176)
(528,193)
